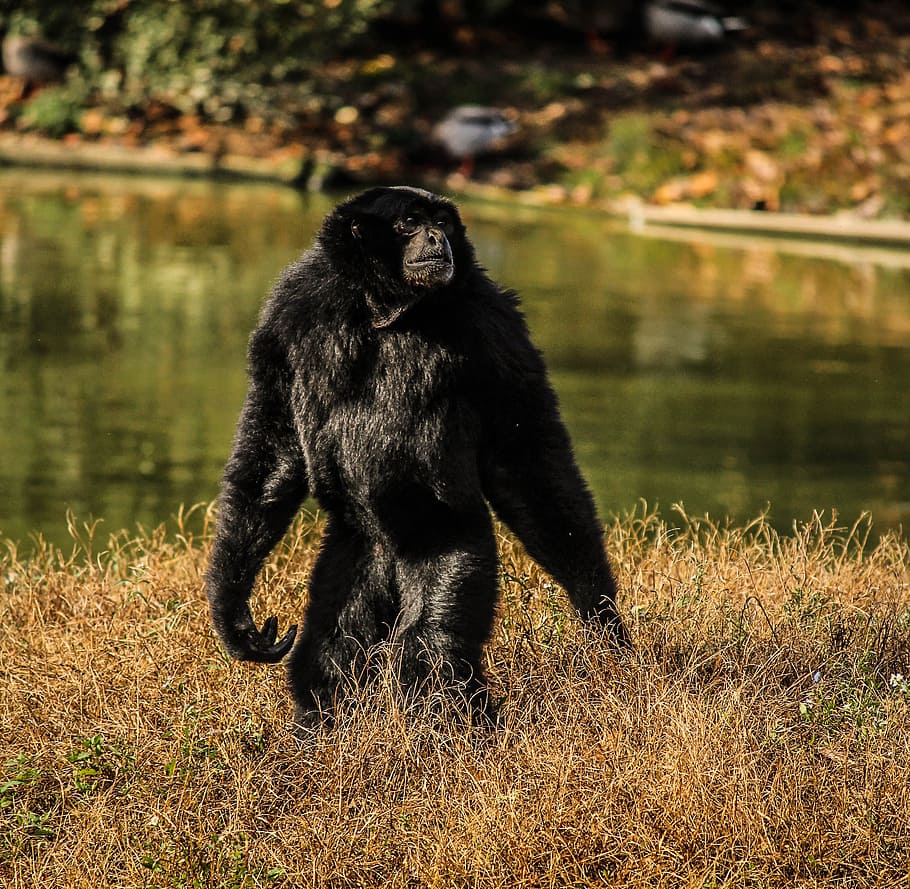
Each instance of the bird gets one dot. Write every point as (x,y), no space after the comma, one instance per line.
(34,60)
(469,130)
(689,22)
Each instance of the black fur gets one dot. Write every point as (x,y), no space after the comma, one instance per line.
(395,382)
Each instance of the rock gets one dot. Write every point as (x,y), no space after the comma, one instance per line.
(761,166)
(698,185)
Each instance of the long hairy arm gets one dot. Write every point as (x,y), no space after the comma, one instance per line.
(264,483)
(533,483)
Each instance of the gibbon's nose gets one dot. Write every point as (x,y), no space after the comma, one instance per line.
(435,236)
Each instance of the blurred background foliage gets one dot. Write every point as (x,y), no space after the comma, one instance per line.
(227,59)
(188,53)
(804,111)
(186,48)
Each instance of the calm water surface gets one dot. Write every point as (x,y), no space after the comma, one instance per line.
(728,375)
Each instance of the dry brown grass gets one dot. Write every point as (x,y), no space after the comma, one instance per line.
(759,736)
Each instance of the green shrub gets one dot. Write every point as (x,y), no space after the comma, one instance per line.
(192,47)
(55,111)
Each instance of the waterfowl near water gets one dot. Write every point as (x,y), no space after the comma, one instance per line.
(34,60)
(470,130)
(688,22)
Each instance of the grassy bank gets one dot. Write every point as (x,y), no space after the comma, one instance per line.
(759,735)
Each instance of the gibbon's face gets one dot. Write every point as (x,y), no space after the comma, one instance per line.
(421,229)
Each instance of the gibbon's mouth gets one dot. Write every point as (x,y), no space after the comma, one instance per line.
(434,272)
(428,263)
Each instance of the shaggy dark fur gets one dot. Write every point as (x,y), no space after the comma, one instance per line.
(395,382)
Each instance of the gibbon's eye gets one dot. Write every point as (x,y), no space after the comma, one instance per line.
(408,225)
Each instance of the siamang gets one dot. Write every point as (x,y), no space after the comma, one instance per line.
(392,380)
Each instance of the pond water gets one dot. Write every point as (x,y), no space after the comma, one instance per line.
(733,375)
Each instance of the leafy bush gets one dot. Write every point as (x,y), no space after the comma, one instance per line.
(55,111)
(189,48)
(192,44)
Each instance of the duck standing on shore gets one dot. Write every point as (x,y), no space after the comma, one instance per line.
(689,22)
(470,130)
(34,59)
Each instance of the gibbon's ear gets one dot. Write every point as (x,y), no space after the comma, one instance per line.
(370,234)
(368,228)
(362,244)
(359,225)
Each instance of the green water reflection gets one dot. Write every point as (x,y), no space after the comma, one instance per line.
(724,376)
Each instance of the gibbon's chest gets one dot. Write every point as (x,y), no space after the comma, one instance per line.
(394,415)
(395,391)
(410,372)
